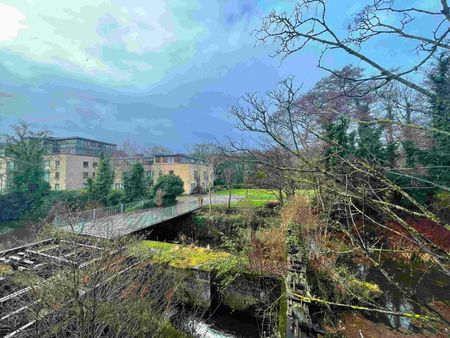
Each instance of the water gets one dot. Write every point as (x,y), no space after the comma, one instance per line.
(224,325)
(432,286)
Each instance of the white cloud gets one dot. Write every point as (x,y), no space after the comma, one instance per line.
(11,22)
(78,36)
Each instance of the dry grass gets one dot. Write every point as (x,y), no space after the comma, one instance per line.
(267,253)
(307,225)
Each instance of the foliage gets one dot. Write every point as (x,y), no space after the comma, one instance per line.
(134,183)
(100,187)
(166,189)
(13,206)
(116,196)
(26,184)
(70,199)
(438,156)
(25,149)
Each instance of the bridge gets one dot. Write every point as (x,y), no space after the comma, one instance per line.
(115,222)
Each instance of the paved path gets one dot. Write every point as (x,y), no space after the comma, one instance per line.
(215,199)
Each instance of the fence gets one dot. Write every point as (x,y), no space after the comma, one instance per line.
(90,221)
(89,216)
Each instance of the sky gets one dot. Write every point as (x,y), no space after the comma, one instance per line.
(148,71)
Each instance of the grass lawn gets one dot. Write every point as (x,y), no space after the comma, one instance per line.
(252,193)
(255,197)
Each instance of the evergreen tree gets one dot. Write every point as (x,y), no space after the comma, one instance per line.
(100,188)
(24,152)
(134,183)
(341,141)
(437,158)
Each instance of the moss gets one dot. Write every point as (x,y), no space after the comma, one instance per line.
(238,301)
(4,269)
(282,309)
(366,289)
(442,199)
(180,256)
(170,332)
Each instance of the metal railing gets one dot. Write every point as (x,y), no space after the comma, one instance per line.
(95,222)
(91,215)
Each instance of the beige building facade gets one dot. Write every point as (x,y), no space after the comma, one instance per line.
(69,172)
(193,172)
(70,162)
(196,175)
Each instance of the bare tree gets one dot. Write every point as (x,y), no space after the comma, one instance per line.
(210,153)
(156,149)
(354,190)
(308,24)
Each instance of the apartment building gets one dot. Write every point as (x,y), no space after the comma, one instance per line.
(70,161)
(122,164)
(192,171)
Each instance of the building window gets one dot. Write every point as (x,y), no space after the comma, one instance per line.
(85,164)
(47,176)
(57,163)
(94,165)
(57,175)
(85,175)
(148,174)
(170,159)
(47,164)
(170,172)
(93,175)
(56,186)
(117,186)
(160,173)
(84,185)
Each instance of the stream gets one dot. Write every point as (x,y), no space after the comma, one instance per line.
(225,325)
(434,285)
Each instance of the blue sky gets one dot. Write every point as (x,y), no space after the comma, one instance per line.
(147,71)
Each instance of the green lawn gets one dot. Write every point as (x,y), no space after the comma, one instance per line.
(252,193)
(255,197)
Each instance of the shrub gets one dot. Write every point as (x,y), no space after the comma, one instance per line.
(71,199)
(13,206)
(115,197)
(166,189)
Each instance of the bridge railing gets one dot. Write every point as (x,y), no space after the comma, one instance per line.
(91,215)
(90,221)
